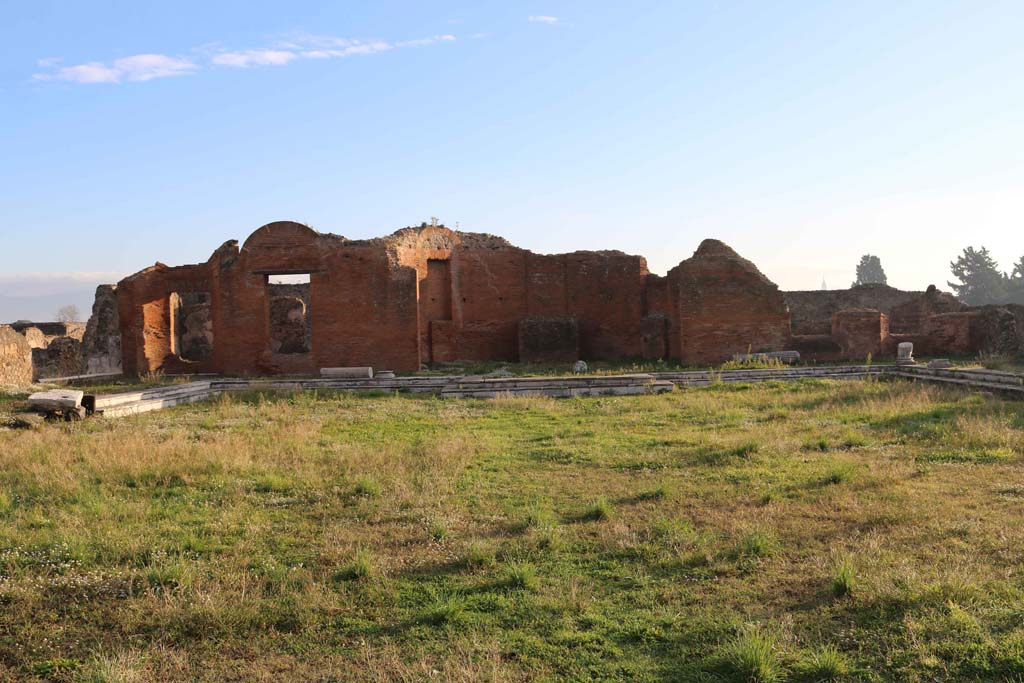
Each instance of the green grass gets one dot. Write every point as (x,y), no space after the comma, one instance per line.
(843,579)
(792,532)
(753,657)
(599,509)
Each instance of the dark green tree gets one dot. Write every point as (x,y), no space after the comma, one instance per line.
(870,272)
(1016,283)
(980,280)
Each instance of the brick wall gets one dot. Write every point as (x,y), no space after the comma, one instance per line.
(723,305)
(860,332)
(430,294)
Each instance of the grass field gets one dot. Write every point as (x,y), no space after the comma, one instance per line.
(814,531)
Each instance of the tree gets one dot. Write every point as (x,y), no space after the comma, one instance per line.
(68,314)
(870,272)
(980,280)
(1016,282)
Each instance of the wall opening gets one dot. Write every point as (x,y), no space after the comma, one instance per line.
(288,313)
(436,290)
(191,325)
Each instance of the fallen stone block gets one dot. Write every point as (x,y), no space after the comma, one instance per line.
(55,400)
(385,374)
(366,373)
(27,420)
(939,364)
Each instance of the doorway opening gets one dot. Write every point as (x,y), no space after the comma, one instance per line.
(288,313)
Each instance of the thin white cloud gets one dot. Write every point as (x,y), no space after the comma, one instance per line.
(542,19)
(248,58)
(425,41)
(144,67)
(44,284)
(323,48)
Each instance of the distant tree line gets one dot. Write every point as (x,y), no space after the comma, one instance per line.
(980,280)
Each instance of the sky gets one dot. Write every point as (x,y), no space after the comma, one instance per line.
(804,134)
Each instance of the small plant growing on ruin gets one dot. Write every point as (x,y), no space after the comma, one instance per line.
(753,362)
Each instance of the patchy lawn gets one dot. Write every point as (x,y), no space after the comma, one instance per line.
(802,532)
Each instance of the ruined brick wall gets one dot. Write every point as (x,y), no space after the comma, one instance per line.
(948,333)
(860,332)
(40,335)
(493,289)
(723,305)
(998,330)
(15,358)
(812,311)
(909,317)
(192,325)
(549,339)
(56,347)
(430,294)
(101,342)
(62,357)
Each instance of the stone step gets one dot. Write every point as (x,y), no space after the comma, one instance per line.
(151,404)
(969,374)
(106,401)
(1009,389)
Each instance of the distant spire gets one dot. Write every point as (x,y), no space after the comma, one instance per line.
(824,285)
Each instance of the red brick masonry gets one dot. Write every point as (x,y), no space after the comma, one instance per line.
(431,294)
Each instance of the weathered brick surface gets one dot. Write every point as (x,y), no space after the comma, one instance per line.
(812,310)
(947,333)
(909,317)
(101,343)
(15,358)
(430,294)
(549,339)
(724,305)
(860,332)
(62,357)
(999,330)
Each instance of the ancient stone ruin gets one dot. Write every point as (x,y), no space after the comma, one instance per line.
(101,343)
(15,358)
(55,349)
(430,294)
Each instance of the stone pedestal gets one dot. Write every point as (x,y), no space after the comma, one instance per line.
(905,354)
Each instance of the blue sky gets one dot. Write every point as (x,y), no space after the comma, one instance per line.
(804,134)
